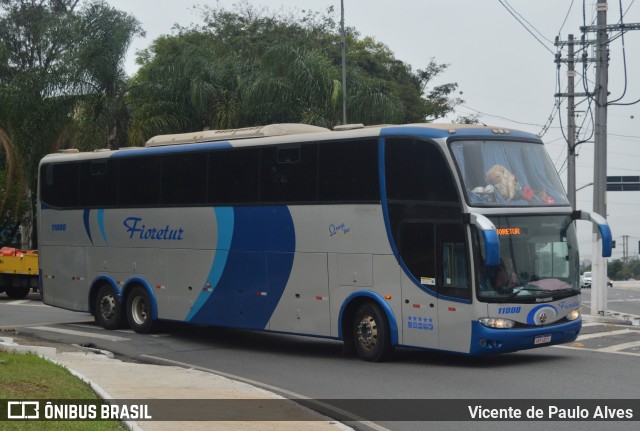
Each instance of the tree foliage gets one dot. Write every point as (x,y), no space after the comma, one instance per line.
(620,270)
(60,63)
(250,66)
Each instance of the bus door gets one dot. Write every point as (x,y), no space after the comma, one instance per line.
(436,297)
(453,287)
(417,248)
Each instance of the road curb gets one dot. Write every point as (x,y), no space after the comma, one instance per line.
(49,353)
(615,320)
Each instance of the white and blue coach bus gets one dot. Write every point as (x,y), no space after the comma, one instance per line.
(445,237)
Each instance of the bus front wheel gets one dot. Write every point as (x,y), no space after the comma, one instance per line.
(139,310)
(371,334)
(108,309)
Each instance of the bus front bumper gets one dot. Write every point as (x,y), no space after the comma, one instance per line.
(488,341)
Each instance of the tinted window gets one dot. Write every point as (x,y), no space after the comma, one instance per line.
(416,245)
(454,279)
(59,184)
(289,174)
(417,170)
(138,181)
(348,171)
(98,183)
(184,178)
(234,176)
(436,255)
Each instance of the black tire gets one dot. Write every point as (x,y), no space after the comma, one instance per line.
(109,311)
(371,334)
(17,292)
(139,308)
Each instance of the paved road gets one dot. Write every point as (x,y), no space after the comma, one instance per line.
(602,364)
(623,299)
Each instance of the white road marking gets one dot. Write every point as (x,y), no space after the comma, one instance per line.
(27,302)
(604,334)
(80,333)
(621,346)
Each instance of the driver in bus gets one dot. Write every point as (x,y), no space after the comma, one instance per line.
(505,277)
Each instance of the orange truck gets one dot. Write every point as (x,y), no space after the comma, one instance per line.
(18,272)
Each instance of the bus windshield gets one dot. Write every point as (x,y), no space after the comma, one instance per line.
(538,260)
(507,173)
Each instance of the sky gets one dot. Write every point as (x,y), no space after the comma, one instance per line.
(501,53)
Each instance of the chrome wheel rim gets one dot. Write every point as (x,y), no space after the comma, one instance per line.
(139,310)
(367,332)
(107,306)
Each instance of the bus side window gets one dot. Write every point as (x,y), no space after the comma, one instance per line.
(61,185)
(184,179)
(348,171)
(289,174)
(416,246)
(98,185)
(454,276)
(234,176)
(138,179)
(417,170)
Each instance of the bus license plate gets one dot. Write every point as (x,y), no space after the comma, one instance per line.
(542,339)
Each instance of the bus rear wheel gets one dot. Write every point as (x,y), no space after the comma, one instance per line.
(371,334)
(139,310)
(108,309)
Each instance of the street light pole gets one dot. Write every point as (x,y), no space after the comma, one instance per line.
(344,65)
(599,270)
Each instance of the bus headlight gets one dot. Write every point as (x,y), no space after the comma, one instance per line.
(573,315)
(497,323)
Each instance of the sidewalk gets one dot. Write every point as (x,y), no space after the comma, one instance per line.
(611,317)
(114,379)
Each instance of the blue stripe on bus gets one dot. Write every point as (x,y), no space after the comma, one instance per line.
(256,271)
(101,225)
(85,217)
(169,149)
(224,220)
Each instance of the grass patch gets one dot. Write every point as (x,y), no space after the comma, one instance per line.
(29,377)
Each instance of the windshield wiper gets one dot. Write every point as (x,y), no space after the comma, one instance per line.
(528,287)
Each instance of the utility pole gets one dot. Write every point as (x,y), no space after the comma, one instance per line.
(571,112)
(600,94)
(571,125)
(599,265)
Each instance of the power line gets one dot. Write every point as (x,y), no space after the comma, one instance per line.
(565,18)
(500,117)
(624,60)
(515,15)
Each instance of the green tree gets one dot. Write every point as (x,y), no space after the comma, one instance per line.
(185,87)
(616,270)
(57,59)
(101,114)
(251,66)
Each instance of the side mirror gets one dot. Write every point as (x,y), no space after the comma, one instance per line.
(490,236)
(603,228)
